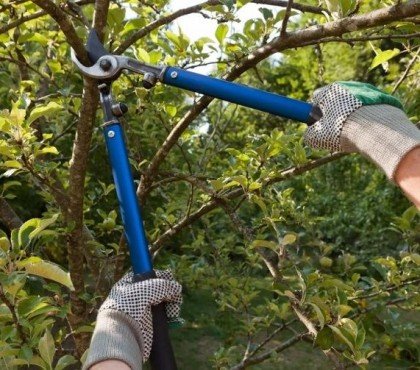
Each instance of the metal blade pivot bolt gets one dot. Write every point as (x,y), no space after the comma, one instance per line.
(149,80)
(111,133)
(174,74)
(118,109)
(105,64)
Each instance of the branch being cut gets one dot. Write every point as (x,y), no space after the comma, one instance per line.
(100,16)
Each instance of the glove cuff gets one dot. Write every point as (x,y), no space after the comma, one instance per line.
(116,337)
(382,133)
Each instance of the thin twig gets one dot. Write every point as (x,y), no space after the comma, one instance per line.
(407,70)
(267,354)
(286,18)
(351,40)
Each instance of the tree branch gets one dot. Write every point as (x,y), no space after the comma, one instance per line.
(22,20)
(8,216)
(215,203)
(32,16)
(76,243)
(363,38)
(100,16)
(387,289)
(337,28)
(197,8)
(302,7)
(267,354)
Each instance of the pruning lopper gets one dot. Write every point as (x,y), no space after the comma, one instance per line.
(105,69)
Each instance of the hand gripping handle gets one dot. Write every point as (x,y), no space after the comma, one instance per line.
(162,355)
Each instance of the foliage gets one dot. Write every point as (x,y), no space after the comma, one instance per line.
(292,245)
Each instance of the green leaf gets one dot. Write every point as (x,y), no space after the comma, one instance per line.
(254,186)
(340,335)
(383,57)
(14,283)
(350,327)
(32,228)
(116,17)
(46,110)
(65,361)
(25,230)
(34,37)
(12,164)
(143,55)
(221,32)
(42,225)
(289,239)
(410,213)
(264,243)
(360,339)
(216,184)
(49,270)
(325,338)
(241,3)
(47,150)
(171,110)
(319,314)
(30,304)
(4,244)
(344,309)
(46,348)
(325,262)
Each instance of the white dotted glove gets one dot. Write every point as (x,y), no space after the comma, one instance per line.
(136,299)
(336,104)
(357,117)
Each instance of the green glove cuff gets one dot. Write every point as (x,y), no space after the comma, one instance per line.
(369,94)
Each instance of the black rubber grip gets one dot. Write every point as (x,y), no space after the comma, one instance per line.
(315,115)
(162,355)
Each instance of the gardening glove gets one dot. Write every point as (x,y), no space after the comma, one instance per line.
(124,329)
(357,117)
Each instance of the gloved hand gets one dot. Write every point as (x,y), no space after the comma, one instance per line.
(357,117)
(124,329)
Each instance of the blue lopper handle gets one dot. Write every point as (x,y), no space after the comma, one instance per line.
(243,95)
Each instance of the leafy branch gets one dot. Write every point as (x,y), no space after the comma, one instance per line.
(12,310)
